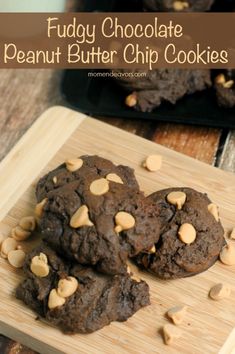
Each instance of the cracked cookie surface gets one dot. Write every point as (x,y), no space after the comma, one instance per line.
(98,300)
(100,241)
(92,165)
(174,258)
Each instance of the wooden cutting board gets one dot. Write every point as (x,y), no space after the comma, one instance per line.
(60,134)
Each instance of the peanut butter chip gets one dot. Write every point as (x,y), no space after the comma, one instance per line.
(124,221)
(67,287)
(55,180)
(177,314)
(39,208)
(9,244)
(99,186)
(232,234)
(228,84)
(187,233)
(55,300)
(39,266)
(153,163)
(80,218)
(152,250)
(177,198)
(180,5)
(170,333)
(227,255)
(16,258)
(213,209)
(131,100)
(28,223)
(220,291)
(20,234)
(73,165)
(133,271)
(220,79)
(135,277)
(112,177)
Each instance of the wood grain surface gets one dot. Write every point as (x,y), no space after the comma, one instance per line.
(208,323)
(24,94)
(198,142)
(41,90)
(227,160)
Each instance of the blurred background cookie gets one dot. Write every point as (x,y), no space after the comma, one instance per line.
(225,88)
(178,5)
(163,85)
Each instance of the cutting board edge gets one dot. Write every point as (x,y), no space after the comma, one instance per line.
(75,123)
(166,150)
(13,168)
(23,338)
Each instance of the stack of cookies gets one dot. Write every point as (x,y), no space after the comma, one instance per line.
(94,218)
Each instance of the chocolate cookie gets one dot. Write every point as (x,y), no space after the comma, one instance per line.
(97,221)
(76,298)
(160,85)
(225,88)
(94,165)
(178,5)
(191,235)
